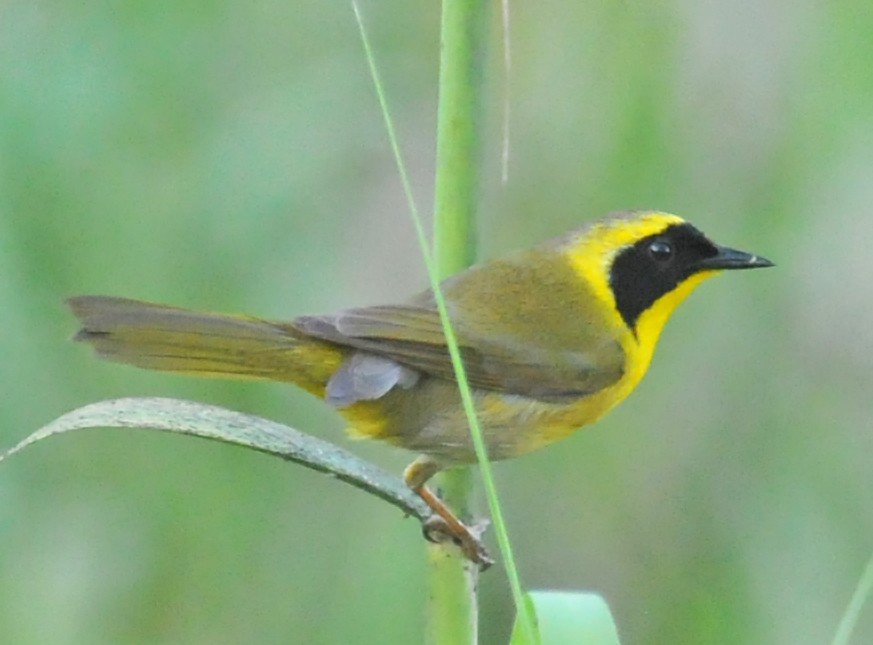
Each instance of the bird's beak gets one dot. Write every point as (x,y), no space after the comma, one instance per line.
(727,259)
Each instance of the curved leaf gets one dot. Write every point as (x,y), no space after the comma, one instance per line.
(221,424)
(568,617)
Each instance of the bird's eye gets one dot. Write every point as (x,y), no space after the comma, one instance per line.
(661,251)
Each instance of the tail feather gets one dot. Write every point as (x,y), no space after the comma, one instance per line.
(167,338)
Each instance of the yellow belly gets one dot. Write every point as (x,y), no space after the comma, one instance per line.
(429,418)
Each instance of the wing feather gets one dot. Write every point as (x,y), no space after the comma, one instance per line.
(526,325)
(414,337)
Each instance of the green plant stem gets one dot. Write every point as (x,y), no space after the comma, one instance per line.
(452,614)
(452,611)
(463,34)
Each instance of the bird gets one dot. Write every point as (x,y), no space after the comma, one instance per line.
(551,338)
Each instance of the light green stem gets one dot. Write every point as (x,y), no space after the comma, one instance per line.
(452,614)
(452,608)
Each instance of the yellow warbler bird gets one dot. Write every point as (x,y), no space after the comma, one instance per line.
(551,339)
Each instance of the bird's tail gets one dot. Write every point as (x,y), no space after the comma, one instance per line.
(171,339)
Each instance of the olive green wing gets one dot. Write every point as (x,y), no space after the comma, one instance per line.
(540,367)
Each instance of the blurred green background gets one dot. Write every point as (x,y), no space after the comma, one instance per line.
(231,156)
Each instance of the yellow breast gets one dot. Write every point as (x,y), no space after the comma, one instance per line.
(591,259)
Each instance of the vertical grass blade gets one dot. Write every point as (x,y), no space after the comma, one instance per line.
(853,610)
(452,615)
(462,34)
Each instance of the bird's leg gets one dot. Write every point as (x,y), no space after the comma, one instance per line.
(444,521)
